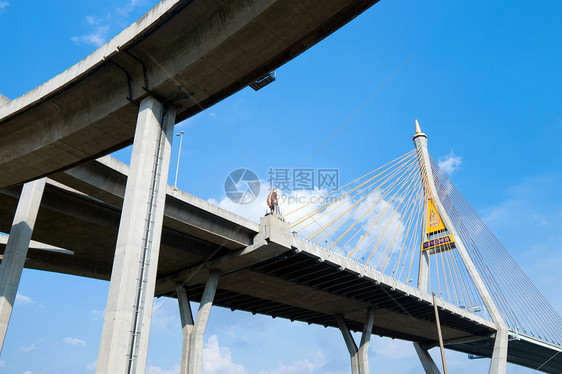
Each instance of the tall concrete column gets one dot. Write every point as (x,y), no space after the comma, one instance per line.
(363,352)
(187,326)
(124,341)
(350,344)
(196,343)
(16,250)
(426,360)
(499,362)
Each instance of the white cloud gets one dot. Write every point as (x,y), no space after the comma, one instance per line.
(450,163)
(91,366)
(533,201)
(97,315)
(4,4)
(393,348)
(101,27)
(22,299)
(218,360)
(27,372)
(75,341)
(151,369)
(165,315)
(373,221)
(253,210)
(134,3)
(531,206)
(96,38)
(301,366)
(540,219)
(542,262)
(129,7)
(297,367)
(236,104)
(28,348)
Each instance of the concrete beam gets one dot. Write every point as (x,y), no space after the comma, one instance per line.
(16,250)
(187,326)
(37,246)
(197,337)
(105,179)
(124,342)
(350,344)
(273,239)
(426,360)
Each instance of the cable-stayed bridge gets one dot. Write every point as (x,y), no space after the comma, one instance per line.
(367,258)
(408,221)
(356,254)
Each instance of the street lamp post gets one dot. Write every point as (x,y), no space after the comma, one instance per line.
(180,134)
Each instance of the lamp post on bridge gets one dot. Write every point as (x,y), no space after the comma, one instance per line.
(180,134)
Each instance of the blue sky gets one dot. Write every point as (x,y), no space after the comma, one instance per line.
(483,78)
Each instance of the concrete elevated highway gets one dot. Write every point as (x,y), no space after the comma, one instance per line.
(187,53)
(264,269)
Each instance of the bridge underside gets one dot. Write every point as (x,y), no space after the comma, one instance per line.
(189,54)
(297,283)
(296,286)
(521,351)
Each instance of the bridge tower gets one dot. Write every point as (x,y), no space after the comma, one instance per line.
(444,223)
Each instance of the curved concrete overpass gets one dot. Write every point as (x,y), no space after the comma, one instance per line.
(187,53)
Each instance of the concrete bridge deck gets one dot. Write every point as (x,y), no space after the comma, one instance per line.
(187,53)
(263,271)
(193,228)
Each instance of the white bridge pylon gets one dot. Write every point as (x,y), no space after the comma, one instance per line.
(407,220)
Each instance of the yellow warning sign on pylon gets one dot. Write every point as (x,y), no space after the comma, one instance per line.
(434,221)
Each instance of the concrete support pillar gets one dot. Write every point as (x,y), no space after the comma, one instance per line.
(187,326)
(426,360)
(499,355)
(16,249)
(350,344)
(124,341)
(198,334)
(363,352)
(359,356)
